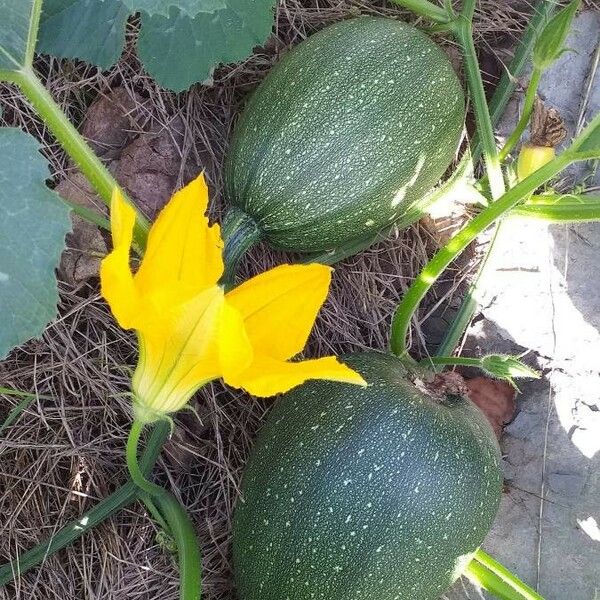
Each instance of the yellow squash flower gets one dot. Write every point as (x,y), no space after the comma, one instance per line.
(189,330)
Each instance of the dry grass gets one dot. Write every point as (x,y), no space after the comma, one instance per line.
(66,453)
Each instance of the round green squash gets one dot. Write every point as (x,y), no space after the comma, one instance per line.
(377,493)
(345,134)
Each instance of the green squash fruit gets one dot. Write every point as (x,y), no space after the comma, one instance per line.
(376,493)
(347,132)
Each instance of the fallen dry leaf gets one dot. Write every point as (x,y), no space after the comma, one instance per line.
(148,164)
(112,121)
(495,398)
(149,167)
(85,244)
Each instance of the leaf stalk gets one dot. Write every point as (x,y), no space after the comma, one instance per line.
(74,144)
(490,575)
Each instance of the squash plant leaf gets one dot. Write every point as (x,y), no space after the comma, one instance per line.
(178,51)
(18,31)
(189,7)
(33,225)
(91,30)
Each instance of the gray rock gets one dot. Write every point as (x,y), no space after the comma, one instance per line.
(542,293)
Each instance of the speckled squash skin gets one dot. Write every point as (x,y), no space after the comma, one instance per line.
(364,493)
(347,131)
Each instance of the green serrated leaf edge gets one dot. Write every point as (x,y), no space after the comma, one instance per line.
(34,23)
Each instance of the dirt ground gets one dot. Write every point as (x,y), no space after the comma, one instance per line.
(66,451)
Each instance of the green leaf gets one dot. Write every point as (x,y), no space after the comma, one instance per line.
(587,144)
(18,31)
(189,7)
(91,30)
(509,368)
(179,51)
(551,43)
(176,50)
(33,225)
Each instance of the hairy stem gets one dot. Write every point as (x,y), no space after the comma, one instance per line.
(468,10)
(438,264)
(74,144)
(469,304)
(515,136)
(87,214)
(179,524)
(489,574)
(425,9)
(541,13)
(464,34)
(584,209)
(459,361)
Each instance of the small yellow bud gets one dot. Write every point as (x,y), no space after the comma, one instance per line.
(533,158)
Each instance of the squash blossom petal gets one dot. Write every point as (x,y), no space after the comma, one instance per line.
(189,330)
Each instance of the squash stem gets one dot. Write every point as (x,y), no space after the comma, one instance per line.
(573,209)
(179,524)
(468,9)
(240,232)
(489,574)
(88,214)
(74,144)
(458,361)
(438,264)
(515,136)
(462,27)
(541,13)
(574,212)
(469,305)
(464,34)
(426,9)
